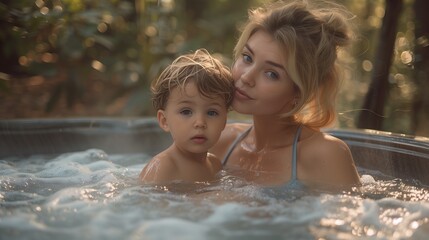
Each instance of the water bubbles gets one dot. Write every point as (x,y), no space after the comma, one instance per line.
(90,191)
(369,231)
(367,179)
(414,225)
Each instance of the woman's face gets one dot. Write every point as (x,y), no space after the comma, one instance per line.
(262,84)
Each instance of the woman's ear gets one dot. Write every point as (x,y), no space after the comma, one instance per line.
(162,120)
(296,97)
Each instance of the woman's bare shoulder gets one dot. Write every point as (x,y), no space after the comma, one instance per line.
(321,140)
(331,157)
(332,145)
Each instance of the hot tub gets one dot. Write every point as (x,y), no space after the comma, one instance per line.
(78,179)
(396,155)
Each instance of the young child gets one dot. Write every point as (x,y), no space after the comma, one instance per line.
(192,97)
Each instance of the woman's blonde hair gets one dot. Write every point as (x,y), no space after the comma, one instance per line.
(212,78)
(310,35)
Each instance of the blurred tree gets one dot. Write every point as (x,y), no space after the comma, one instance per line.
(420,118)
(169,28)
(373,107)
(102,54)
(12,42)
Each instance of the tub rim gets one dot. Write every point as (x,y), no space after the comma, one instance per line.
(394,154)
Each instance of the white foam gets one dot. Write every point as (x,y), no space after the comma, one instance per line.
(171,228)
(90,195)
(367,179)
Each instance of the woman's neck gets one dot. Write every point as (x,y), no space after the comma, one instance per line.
(273,132)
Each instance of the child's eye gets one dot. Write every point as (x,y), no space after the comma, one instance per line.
(212,113)
(186,112)
(247,58)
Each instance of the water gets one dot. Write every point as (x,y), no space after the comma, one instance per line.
(92,195)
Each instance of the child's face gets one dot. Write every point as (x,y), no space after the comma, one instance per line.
(194,121)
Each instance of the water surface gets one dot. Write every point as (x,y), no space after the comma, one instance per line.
(92,195)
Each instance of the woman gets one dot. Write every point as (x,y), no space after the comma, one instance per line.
(286,78)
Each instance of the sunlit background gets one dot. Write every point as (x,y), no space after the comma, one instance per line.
(81,58)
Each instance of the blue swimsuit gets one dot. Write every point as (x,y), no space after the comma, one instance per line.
(293,183)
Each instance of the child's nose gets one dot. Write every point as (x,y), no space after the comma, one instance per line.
(200,121)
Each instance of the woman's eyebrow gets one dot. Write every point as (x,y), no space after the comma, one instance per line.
(249,48)
(278,65)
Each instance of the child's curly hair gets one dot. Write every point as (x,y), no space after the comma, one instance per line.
(211,77)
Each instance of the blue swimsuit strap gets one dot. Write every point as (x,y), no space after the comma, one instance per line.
(294,153)
(231,148)
(294,150)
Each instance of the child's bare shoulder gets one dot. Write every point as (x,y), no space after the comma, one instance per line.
(160,168)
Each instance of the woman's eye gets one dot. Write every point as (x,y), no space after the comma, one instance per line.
(272,75)
(247,58)
(186,112)
(212,113)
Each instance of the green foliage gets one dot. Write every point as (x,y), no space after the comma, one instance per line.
(169,28)
(72,39)
(126,43)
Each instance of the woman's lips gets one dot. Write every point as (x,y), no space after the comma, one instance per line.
(240,94)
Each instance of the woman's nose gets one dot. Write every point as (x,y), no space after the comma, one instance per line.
(248,76)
